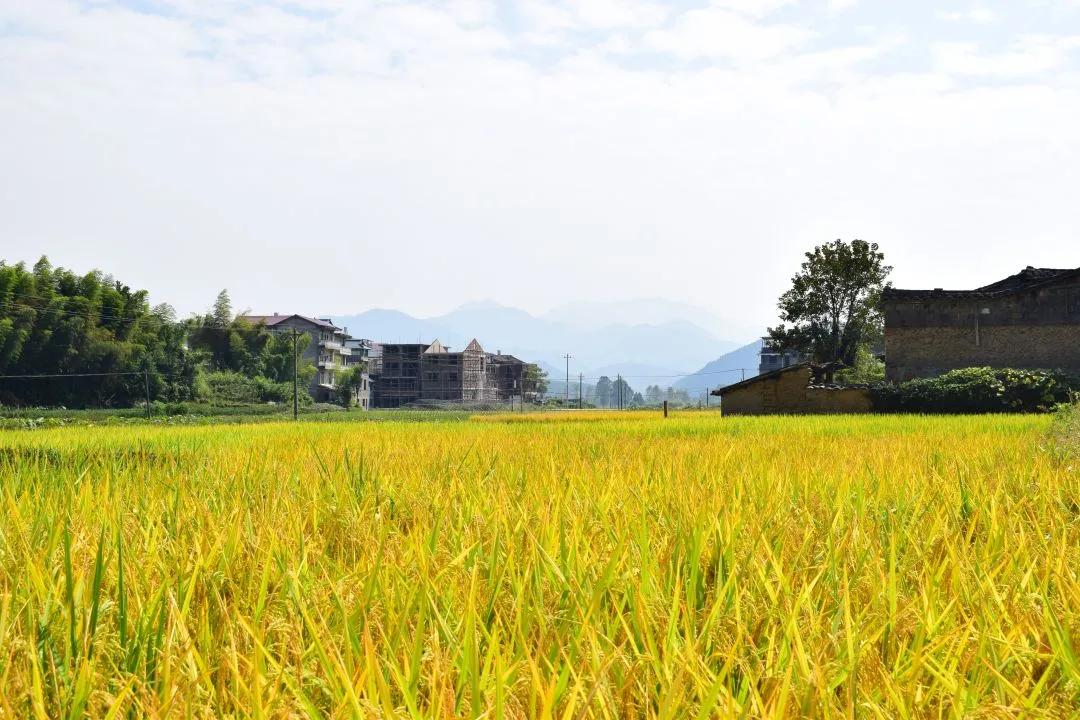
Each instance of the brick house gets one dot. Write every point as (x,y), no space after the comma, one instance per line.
(1028,320)
(793,390)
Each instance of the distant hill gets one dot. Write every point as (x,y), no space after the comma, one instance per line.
(724,370)
(598,346)
(592,315)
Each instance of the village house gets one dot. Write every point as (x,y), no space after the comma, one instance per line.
(795,390)
(328,349)
(1028,320)
(358,357)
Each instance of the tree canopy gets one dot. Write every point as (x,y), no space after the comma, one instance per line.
(831,309)
(56,322)
(104,343)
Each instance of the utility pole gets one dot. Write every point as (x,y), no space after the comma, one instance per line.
(295,382)
(618,381)
(146,386)
(580,378)
(568,357)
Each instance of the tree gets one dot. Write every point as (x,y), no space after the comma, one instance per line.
(603,392)
(831,309)
(221,316)
(621,393)
(232,343)
(654,395)
(277,358)
(349,382)
(535,380)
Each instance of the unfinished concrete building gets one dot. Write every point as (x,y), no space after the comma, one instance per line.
(420,373)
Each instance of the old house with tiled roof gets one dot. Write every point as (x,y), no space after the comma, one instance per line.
(798,389)
(1027,320)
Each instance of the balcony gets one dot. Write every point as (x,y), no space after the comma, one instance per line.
(334,345)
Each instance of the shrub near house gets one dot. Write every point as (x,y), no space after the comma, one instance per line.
(978,390)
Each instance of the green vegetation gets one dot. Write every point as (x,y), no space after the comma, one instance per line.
(1065,431)
(831,310)
(979,390)
(113,347)
(53,321)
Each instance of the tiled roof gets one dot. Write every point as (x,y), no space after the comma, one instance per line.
(504,357)
(272,320)
(1027,279)
(758,378)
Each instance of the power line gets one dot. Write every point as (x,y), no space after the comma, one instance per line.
(73,375)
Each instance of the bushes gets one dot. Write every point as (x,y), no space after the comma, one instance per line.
(231,388)
(978,390)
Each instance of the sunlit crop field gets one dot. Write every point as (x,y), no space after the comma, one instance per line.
(563,566)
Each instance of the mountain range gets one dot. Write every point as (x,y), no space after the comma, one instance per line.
(727,369)
(649,342)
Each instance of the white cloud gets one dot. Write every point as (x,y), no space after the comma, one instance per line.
(977,15)
(544,16)
(1029,56)
(841,5)
(753,8)
(719,33)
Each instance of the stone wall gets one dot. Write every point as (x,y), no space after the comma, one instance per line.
(790,393)
(930,351)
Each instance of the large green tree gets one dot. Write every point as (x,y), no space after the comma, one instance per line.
(831,310)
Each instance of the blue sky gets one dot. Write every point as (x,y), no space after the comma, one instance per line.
(329,157)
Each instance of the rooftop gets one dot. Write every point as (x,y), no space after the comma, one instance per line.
(272,320)
(758,378)
(1029,278)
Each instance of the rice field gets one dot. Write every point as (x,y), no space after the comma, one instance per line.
(578,565)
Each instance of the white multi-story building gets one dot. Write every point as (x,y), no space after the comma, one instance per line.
(330,349)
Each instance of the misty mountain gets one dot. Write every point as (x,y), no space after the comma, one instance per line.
(724,370)
(593,315)
(597,346)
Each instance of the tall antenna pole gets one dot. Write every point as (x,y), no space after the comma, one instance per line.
(568,357)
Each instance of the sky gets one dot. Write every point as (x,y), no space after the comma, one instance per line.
(328,157)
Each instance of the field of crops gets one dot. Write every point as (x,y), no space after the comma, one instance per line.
(564,566)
